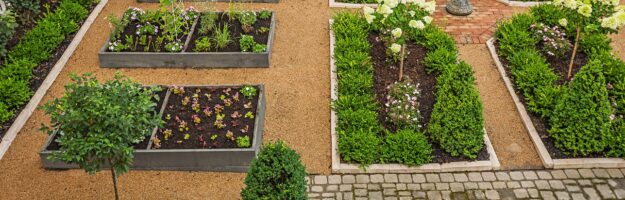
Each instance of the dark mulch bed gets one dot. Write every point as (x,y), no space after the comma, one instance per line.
(143,144)
(235,30)
(41,71)
(205,129)
(560,67)
(386,73)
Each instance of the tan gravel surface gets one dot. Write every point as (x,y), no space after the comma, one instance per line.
(503,123)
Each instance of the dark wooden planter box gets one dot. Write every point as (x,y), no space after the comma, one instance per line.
(189,59)
(218,160)
(246,1)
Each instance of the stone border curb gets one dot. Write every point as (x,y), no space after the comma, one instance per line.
(548,162)
(54,72)
(335,4)
(338,167)
(522,3)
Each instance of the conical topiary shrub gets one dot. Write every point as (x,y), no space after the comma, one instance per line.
(276,173)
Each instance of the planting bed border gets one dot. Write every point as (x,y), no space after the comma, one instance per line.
(548,162)
(217,160)
(522,3)
(186,59)
(246,1)
(338,167)
(28,110)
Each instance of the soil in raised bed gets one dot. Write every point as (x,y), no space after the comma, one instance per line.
(41,71)
(235,30)
(141,145)
(386,73)
(560,68)
(200,134)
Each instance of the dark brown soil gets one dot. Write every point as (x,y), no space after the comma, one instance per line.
(235,30)
(386,72)
(200,134)
(143,144)
(40,73)
(560,67)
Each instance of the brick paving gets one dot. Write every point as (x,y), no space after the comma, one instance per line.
(477,27)
(530,184)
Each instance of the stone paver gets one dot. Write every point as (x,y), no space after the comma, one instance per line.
(529,184)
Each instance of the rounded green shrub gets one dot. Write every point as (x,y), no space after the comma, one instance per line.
(5,113)
(408,147)
(276,173)
(360,146)
(580,121)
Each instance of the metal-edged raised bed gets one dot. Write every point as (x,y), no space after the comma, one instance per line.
(200,159)
(188,58)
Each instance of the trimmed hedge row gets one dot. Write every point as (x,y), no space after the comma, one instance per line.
(585,115)
(35,47)
(457,121)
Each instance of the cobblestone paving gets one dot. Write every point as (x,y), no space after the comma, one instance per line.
(532,184)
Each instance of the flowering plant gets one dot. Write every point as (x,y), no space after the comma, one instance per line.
(402,105)
(395,19)
(588,16)
(553,40)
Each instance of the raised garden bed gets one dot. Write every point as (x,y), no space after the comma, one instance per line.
(538,113)
(198,145)
(246,1)
(45,67)
(155,51)
(383,74)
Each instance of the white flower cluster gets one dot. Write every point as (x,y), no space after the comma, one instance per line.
(388,7)
(615,21)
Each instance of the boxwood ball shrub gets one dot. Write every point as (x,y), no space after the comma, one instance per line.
(99,123)
(276,173)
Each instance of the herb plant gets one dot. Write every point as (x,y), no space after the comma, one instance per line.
(203,44)
(248,91)
(264,14)
(259,48)
(222,37)
(207,21)
(98,123)
(247,43)
(247,20)
(243,142)
(554,41)
(402,105)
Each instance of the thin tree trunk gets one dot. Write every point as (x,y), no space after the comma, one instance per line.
(574,52)
(114,180)
(401,62)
